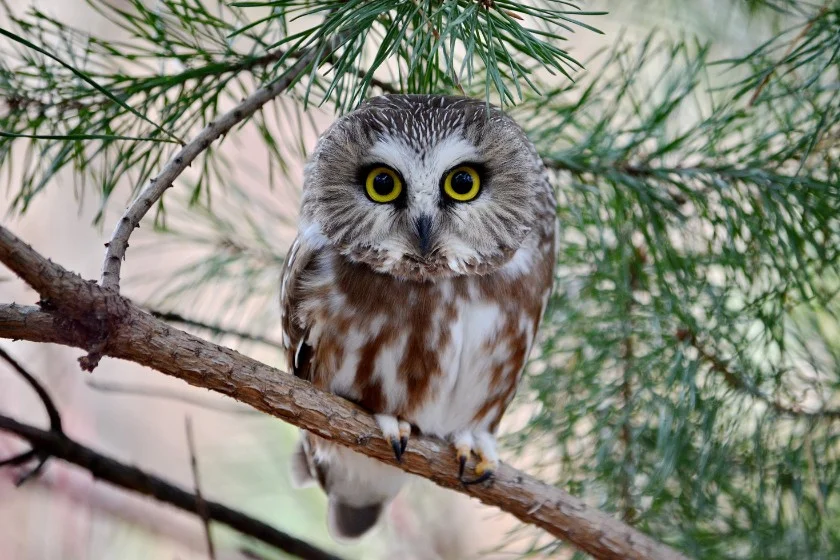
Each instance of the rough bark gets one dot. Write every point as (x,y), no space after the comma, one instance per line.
(81,312)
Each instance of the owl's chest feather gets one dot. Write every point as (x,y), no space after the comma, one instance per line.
(444,356)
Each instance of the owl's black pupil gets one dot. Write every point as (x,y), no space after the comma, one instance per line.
(462,182)
(383,184)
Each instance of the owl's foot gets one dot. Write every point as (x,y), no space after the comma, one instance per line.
(483,444)
(396,431)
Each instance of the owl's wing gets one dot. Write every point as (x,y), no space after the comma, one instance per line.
(298,353)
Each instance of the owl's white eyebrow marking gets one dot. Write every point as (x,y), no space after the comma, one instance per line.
(453,150)
(447,153)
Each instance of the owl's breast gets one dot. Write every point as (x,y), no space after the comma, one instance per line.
(443,355)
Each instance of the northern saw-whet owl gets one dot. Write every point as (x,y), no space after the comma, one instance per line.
(422,266)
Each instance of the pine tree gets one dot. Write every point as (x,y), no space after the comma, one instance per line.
(689,373)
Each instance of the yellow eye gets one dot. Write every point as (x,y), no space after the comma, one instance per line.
(383,185)
(462,184)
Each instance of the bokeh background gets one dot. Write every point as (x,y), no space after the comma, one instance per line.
(138,415)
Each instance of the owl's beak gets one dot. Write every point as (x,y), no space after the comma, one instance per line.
(423,229)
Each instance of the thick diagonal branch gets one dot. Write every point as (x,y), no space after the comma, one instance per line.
(141,338)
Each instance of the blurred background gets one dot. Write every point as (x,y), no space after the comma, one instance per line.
(687,375)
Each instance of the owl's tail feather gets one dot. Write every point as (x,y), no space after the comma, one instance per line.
(350,522)
(358,487)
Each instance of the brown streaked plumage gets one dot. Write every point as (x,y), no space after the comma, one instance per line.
(422,309)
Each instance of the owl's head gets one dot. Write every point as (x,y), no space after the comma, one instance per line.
(423,186)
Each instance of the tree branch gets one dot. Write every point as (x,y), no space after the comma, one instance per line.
(737,383)
(132,478)
(177,318)
(116,247)
(52,412)
(802,33)
(106,469)
(137,336)
(200,502)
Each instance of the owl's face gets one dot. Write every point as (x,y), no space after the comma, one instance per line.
(422,187)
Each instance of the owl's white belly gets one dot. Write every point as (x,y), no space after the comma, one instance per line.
(460,392)
(474,341)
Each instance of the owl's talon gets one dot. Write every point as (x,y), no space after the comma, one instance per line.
(404,429)
(484,445)
(396,432)
(484,477)
(398,449)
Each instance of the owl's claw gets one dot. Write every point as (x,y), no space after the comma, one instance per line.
(485,469)
(483,478)
(462,463)
(396,432)
(395,445)
(484,445)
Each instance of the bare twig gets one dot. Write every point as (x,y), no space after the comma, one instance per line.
(177,318)
(139,337)
(18,459)
(136,390)
(20,102)
(52,412)
(116,247)
(136,480)
(736,382)
(628,510)
(200,503)
(790,48)
(49,405)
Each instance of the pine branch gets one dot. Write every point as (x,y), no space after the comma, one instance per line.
(738,383)
(137,390)
(130,220)
(137,336)
(802,34)
(178,319)
(436,47)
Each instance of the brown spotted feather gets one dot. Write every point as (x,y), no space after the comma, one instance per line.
(437,339)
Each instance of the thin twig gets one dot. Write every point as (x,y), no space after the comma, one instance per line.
(52,412)
(151,193)
(200,503)
(136,390)
(49,405)
(132,478)
(171,317)
(628,510)
(19,102)
(790,48)
(18,459)
(737,383)
(252,554)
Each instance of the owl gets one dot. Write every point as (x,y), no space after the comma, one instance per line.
(421,269)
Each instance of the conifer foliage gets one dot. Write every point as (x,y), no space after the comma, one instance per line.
(688,378)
